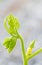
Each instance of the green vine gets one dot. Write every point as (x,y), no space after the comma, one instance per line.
(12,25)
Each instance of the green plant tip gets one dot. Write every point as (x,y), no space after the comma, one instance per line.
(32,44)
(11,24)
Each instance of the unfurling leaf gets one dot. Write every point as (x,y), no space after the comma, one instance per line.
(10,43)
(11,24)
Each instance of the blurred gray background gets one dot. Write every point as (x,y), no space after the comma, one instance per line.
(29,14)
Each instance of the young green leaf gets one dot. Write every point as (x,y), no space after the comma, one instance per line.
(10,43)
(11,24)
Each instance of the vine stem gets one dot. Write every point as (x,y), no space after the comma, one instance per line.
(23,51)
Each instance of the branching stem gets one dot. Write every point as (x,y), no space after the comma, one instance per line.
(34,54)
